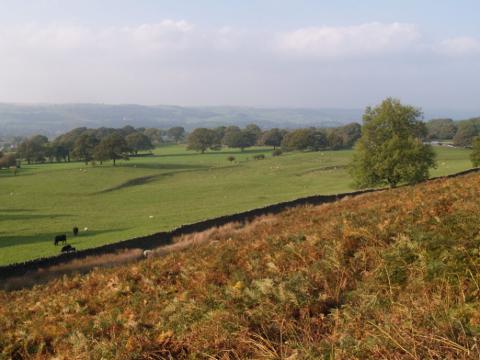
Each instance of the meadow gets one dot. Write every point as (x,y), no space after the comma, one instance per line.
(149,194)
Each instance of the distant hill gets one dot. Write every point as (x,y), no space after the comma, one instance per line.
(52,120)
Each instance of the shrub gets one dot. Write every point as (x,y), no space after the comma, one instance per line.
(259,157)
(231,158)
(277,152)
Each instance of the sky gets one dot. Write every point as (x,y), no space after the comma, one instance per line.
(266,53)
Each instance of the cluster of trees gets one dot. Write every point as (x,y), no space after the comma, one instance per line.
(84,144)
(95,144)
(343,137)
(202,139)
(461,132)
(313,139)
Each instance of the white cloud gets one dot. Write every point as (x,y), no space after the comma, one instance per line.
(162,35)
(331,42)
(460,46)
(170,35)
(177,62)
(177,39)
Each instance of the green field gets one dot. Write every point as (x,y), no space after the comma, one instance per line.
(151,194)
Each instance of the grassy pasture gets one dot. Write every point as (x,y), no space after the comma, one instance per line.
(151,194)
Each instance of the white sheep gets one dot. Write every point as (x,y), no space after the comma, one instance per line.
(147,253)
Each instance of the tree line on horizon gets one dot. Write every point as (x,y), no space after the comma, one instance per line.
(314,139)
(102,144)
(84,144)
(461,133)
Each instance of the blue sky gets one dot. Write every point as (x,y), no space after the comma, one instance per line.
(301,53)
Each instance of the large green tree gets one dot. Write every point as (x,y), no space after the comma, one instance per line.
(240,138)
(138,142)
(202,139)
(475,155)
(66,142)
(391,149)
(176,133)
(467,131)
(272,137)
(305,139)
(228,133)
(220,130)
(343,137)
(34,149)
(254,132)
(59,151)
(335,141)
(155,135)
(350,134)
(84,147)
(112,147)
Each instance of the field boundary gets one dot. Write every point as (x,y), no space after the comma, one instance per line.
(165,237)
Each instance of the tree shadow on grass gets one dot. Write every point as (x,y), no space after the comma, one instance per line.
(132,182)
(147,179)
(151,178)
(47,238)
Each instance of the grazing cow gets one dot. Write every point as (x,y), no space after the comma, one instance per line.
(75,231)
(68,248)
(60,239)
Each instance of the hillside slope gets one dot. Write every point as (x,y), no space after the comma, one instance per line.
(387,275)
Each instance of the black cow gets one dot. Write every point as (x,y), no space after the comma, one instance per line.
(68,248)
(75,231)
(60,239)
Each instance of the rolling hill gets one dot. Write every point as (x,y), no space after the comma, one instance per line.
(386,275)
(155,193)
(53,120)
